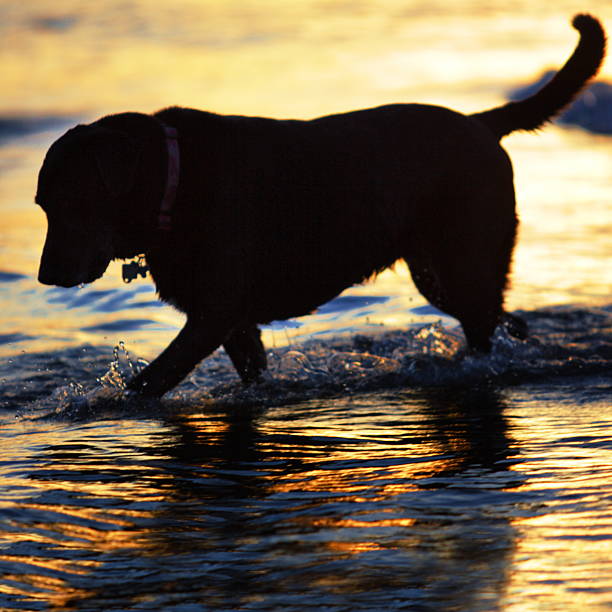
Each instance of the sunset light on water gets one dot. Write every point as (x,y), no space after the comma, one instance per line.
(378,465)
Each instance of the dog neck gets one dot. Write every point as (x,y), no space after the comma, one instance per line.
(164,219)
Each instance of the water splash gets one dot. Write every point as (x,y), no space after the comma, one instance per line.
(121,369)
(319,365)
(427,356)
(563,342)
(75,402)
(360,364)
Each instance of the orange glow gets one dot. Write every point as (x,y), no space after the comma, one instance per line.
(557,552)
(333,523)
(52,590)
(302,60)
(297,59)
(272,57)
(354,548)
(59,565)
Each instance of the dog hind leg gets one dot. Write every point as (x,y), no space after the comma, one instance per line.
(460,291)
(515,326)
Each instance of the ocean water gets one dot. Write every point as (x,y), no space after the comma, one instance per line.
(378,465)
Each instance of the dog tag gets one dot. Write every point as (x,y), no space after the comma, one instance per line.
(130,271)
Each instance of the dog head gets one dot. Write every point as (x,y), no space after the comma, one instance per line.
(82,185)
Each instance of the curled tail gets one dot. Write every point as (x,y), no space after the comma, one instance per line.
(533,112)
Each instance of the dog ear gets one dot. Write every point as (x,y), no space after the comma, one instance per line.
(117,157)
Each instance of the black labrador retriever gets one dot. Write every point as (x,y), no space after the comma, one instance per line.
(245,220)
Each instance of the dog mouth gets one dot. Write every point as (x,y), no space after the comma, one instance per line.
(76,280)
(83,272)
(71,260)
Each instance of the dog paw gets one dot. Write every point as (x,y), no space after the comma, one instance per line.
(515,326)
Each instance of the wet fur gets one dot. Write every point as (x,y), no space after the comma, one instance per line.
(275,217)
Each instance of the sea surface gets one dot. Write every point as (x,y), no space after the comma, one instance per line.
(378,465)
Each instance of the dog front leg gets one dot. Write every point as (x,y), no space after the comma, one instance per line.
(199,337)
(246,352)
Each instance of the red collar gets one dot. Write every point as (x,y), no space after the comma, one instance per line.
(164,220)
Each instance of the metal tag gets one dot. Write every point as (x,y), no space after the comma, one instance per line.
(132,270)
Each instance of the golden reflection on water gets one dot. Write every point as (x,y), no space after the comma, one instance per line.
(559,556)
(357,465)
(57,593)
(334,475)
(270,57)
(101,523)
(557,562)
(304,59)
(564,188)
(301,60)
(354,480)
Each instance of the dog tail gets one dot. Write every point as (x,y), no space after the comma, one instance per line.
(532,113)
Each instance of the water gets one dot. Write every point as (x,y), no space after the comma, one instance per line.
(377,466)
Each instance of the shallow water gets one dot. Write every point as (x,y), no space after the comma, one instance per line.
(453,499)
(381,471)
(377,465)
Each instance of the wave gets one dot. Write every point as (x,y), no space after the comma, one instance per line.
(565,341)
(16,126)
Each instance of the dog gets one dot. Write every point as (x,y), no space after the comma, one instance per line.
(246,220)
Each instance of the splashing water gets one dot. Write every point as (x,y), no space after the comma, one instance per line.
(563,342)
(121,369)
(74,401)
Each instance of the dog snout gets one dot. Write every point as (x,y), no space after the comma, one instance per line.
(59,265)
(70,259)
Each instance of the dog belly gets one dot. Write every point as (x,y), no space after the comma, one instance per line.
(303,291)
